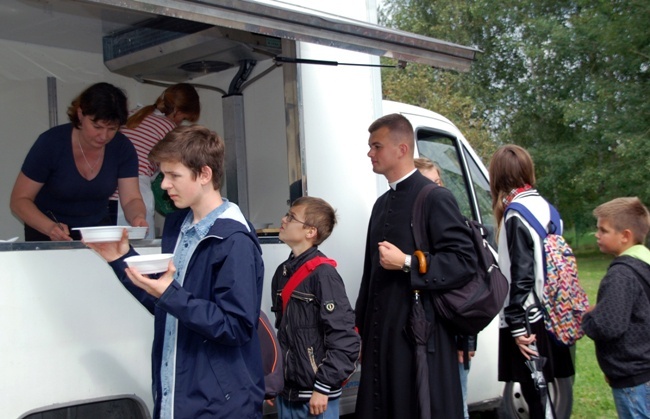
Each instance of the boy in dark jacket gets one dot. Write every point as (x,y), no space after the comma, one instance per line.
(314,318)
(619,324)
(206,359)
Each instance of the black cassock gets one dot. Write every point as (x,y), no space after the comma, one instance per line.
(387,388)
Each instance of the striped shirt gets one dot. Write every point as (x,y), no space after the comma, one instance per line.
(152,129)
(146,135)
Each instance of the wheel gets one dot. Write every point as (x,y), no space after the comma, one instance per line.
(561,391)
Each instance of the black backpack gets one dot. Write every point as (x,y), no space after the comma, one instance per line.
(470,308)
(271,358)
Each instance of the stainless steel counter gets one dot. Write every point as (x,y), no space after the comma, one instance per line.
(26,246)
(23,246)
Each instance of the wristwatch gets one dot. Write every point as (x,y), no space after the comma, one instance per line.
(407,264)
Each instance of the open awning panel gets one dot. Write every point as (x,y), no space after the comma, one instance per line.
(263,23)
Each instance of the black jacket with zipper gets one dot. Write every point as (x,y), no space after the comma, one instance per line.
(316,332)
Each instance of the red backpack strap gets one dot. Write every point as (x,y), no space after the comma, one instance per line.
(300,275)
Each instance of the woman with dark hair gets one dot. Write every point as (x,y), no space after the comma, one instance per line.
(72,170)
(512,179)
(148,125)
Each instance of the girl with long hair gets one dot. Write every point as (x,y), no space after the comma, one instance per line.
(512,179)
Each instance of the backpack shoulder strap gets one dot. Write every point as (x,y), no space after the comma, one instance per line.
(299,276)
(555,226)
(418,222)
(555,223)
(528,216)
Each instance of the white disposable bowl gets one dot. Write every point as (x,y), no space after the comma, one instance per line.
(149,264)
(101,234)
(136,233)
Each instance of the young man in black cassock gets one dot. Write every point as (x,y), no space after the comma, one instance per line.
(388,386)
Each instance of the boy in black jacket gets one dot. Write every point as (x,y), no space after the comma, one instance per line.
(313,315)
(619,324)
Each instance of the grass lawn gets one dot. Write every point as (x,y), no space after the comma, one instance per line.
(592,397)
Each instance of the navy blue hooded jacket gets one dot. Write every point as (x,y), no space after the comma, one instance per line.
(219,370)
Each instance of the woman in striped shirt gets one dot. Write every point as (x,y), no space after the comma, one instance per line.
(148,125)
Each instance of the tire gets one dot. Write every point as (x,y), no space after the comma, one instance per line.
(561,391)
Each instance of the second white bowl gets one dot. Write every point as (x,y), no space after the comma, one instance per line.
(150,264)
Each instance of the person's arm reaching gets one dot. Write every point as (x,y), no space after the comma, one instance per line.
(132,203)
(22,204)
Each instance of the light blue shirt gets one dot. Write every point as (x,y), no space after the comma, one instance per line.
(188,239)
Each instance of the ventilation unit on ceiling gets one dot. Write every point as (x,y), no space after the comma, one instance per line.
(177,50)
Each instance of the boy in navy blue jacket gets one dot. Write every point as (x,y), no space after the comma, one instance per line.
(206,360)
(619,323)
(313,315)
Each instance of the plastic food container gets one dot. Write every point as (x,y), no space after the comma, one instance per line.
(150,264)
(101,234)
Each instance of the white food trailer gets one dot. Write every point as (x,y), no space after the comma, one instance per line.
(273,80)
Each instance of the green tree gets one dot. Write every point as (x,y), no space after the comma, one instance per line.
(446,92)
(441,92)
(568,80)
